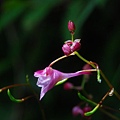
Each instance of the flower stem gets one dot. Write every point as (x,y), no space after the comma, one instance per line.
(82,58)
(101,107)
(72,37)
(11,86)
(102,74)
(17,100)
(59,59)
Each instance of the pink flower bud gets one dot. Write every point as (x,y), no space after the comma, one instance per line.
(68,86)
(87,109)
(86,67)
(71,46)
(71,26)
(66,49)
(76,45)
(77,111)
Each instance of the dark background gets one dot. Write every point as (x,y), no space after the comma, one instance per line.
(32,33)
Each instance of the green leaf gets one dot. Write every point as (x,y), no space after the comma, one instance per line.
(38,12)
(11,10)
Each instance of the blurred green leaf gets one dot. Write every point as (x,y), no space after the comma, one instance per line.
(78,11)
(4,65)
(38,13)
(10,11)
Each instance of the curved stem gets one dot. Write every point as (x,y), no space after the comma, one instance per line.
(101,107)
(11,86)
(102,74)
(59,59)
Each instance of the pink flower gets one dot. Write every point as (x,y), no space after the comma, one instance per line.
(48,77)
(71,46)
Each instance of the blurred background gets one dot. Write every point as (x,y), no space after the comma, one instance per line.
(32,33)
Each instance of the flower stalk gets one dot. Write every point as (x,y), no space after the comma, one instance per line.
(11,86)
(17,100)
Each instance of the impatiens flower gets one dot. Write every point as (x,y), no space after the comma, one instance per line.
(48,77)
(71,46)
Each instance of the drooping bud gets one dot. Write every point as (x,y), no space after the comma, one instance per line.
(71,27)
(68,86)
(77,111)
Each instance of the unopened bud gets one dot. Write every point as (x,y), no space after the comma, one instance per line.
(71,46)
(77,111)
(71,27)
(68,86)
(76,45)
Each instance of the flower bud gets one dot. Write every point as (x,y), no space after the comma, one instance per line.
(71,27)
(87,109)
(87,76)
(68,86)
(86,67)
(71,46)
(76,45)
(77,111)
(66,49)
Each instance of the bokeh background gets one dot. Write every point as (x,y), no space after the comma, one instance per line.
(32,33)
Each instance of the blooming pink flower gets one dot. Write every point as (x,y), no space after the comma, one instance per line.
(48,77)
(71,46)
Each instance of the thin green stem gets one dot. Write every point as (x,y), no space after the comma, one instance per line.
(82,58)
(72,37)
(83,82)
